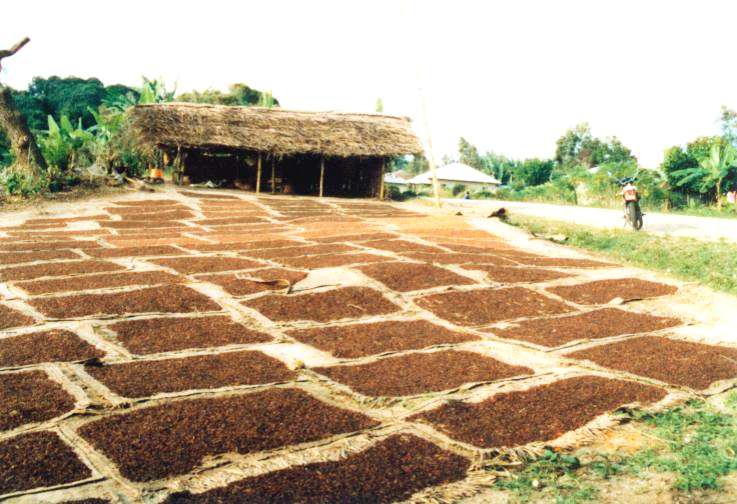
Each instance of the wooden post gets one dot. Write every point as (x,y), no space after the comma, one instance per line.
(322,174)
(381,179)
(273,174)
(258,175)
(178,166)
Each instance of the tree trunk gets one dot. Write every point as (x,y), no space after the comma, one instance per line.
(28,157)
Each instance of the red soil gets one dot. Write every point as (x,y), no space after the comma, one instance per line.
(332,261)
(243,284)
(359,340)
(189,265)
(146,378)
(604,291)
(30,397)
(157,250)
(164,444)
(38,459)
(165,299)
(542,413)
(47,346)
(421,373)
(553,332)
(336,304)
(511,274)
(405,277)
(100,281)
(673,361)
(56,269)
(13,318)
(169,334)
(486,306)
(389,471)
(44,255)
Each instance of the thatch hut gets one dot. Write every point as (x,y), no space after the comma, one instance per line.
(277,150)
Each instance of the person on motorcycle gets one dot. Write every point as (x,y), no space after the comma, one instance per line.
(631,197)
(629,192)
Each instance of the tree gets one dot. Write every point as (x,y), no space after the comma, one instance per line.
(711,171)
(238,94)
(680,162)
(379,107)
(578,147)
(729,125)
(28,158)
(532,172)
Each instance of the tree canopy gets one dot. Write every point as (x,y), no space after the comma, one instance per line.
(578,147)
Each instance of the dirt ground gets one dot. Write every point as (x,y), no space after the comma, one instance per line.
(198,347)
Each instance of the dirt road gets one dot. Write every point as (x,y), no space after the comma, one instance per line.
(703,228)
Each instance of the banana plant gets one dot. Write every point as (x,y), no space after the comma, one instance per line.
(712,170)
(63,143)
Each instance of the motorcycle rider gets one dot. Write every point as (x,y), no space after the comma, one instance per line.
(629,192)
(631,196)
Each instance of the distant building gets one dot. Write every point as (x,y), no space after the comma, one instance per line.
(458,173)
(398,178)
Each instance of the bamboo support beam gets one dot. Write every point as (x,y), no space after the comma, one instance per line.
(381,179)
(273,175)
(322,175)
(258,175)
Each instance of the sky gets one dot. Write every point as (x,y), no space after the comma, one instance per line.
(510,76)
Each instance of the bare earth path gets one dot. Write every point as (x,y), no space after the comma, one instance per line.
(702,228)
(211,346)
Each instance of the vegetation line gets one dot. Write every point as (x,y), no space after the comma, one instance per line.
(713,264)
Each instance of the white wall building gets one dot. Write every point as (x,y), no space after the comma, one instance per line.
(458,173)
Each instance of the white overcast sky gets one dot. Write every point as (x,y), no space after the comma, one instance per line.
(511,76)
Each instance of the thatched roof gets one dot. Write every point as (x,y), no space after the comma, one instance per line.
(276,131)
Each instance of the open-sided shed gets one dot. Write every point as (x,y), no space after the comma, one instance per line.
(277,150)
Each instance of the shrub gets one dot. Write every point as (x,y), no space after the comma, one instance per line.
(457,189)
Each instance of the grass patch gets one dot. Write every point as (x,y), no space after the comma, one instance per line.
(555,476)
(697,445)
(713,264)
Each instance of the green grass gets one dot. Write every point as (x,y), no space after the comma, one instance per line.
(701,445)
(697,445)
(713,264)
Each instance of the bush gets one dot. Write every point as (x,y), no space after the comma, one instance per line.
(457,189)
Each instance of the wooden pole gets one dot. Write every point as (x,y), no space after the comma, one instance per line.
(413,40)
(258,175)
(322,174)
(381,179)
(273,174)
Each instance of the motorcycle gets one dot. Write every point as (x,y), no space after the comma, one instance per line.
(632,212)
